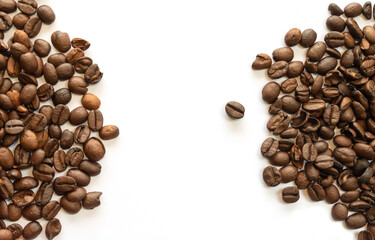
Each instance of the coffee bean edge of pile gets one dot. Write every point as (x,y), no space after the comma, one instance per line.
(32,120)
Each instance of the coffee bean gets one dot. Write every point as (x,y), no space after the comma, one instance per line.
(335,23)
(270,93)
(61,41)
(53,228)
(316,192)
(26,183)
(334,9)
(326,64)
(74,54)
(354,29)
(316,51)
(51,146)
(339,212)
(359,206)
(16,229)
(283,54)
(61,96)
(23,198)
(14,127)
(365,235)
(290,194)
(314,105)
(90,168)
(50,210)
(290,104)
(57,59)
(289,85)
(60,114)
(277,123)
(80,43)
(77,195)
(271,176)
(106,133)
(93,74)
(288,173)
(44,194)
(8,6)
(83,63)
(70,207)
(262,61)
(293,37)
(308,38)
(43,172)
(14,212)
(42,47)
(295,69)
(32,212)
(33,26)
(5,234)
(332,194)
(32,230)
(92,200)
(64,184)
(65,71)
(67,139)
(29,140)
(45,92)
(82,133)
(94,149)
(355,221)
(46,14)
(353,10)
(234,109)
(19,20)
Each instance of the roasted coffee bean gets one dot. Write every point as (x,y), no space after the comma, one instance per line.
(80,43)
(290,194)
(90,168)
(43,172)
(44,194)
(324,162)
(46,14)
(354,29)
(82,179)
(70,207)
(95,121)
(6,234)
(288,133)
(365,235)
(50,74)
(77,195)
(16,229)
(334,9)
(262,61)
(65,71)
(50,210)
(23,198)
(67,139)
(60,114)
(92,199)
(14,127)
(308,38)
(59,161)
(74,54)
(353,10)
(335,23)
(45,92)
(8,6)
(355,221)
(288,173)
(316,51)
(367,10)
(92,102)
(334,39)
(275,107)
(64,184)
(74,157)
(277,70)
(33,26)
(289,85)
(359,206)
(293,37)
(14,212)
(32,230)
(83,63)
(309,152)
(332,194)
(19,20)
(234,109)
(280,159)
(78,116)
(339,212)
(345,155)
(61,96)
(42,47)
(32,212)
(61,41)
(82,134)
(316,192)
(26,183)
(277,123)
(51,146)
(271,176)
(53,228)
(29,141)
(109,132)
(77,85)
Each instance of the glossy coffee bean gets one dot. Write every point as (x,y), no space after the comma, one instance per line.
(234,109)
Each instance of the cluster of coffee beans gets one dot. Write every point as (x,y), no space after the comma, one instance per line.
(323,117)
(34,144)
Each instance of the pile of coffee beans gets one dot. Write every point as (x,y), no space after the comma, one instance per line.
(40,158)
(323,117)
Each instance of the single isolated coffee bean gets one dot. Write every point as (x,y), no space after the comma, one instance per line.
(235,110)
(290,194)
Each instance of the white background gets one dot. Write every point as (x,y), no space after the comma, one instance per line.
(181,169)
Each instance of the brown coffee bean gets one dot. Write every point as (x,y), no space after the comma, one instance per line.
(234,109)
(290,194)
(14,212)
(270,93)
(316,51)
(32,212)
(50,210)
(33,26)
(262,61)
(93,74)
(65,71)
(42,47)
(308,38)
(74,54)
(53,228)
(67,139)
(23,198)
(5,234)
(293,37)
(82,133)
(29,141)
(19,20)
(44,194)
(354,29)
(61,41)
(365,235)
(316,192)
(92,200)
(16,229)
(25,183)
(355,221)
(80,43)
(94,149)
(335,23)
(83,63)
(32,230)
(77,195)
(109,132)
(353,10)
(339,212)
(70,207)
(90,168)
(46,14)
(271,176)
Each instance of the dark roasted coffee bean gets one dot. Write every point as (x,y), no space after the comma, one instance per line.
(50,210)
(53,228)
(316,51)
(77,85)
(334,9)
(277,123)
(289,194)
(234,109)
(46,14)
(32,212)
(61,96)
(26,183)
(45,92)
(295,69)
(334,39)
(359,206)
(270,93)
(289,85)
(326,64)
(262,61)
(65,71)
(59,161)
(80,193)
(308,38)
(50,74)
(43,172)
(339,212)
(14,212)
(355,221)
(16,229)
(288,173)
(60,114)
(42,47)
(280,159)
(82,179)
(70,207)
(51,146)
(64,184)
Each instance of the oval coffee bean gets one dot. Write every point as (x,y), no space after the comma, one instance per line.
(46,14)
(262,61)
(355,221)
(278,69)
(293,37)
(32,230)
(53,228)
(61,41)
(270,93)
(339,212)
(234,109)
(290,194)
(109,132)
